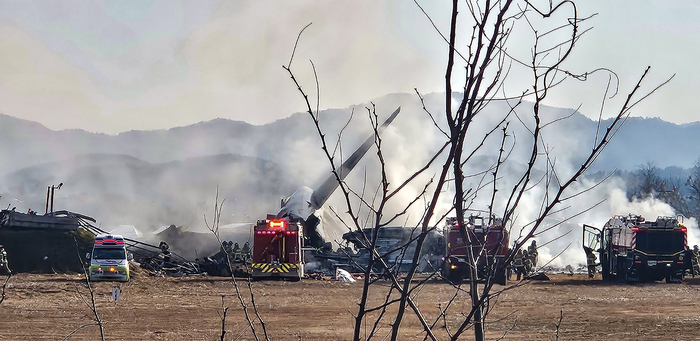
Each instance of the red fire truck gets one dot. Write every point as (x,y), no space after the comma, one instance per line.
(489,246)
(633,249)
(277,249)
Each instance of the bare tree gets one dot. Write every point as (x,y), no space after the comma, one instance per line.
(693,184)
(213,227)
(673,194)
(91,304)
(647,181)
(486,62)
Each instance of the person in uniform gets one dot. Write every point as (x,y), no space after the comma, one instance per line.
(237,256)
(590,260)
(532,252)
(527,263)
(165,251)
(695,260)
(246,251)
(4,265)
(518,265)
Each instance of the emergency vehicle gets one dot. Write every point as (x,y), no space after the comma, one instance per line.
(631,248)
(277,249)
(488,243)
(109,260)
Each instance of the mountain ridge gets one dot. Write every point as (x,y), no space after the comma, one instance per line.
(151,177)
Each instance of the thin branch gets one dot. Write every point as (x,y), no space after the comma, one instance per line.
(295,45)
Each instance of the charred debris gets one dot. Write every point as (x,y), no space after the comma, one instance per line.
(57,242)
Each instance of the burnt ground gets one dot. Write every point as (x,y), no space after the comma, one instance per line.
(50,307)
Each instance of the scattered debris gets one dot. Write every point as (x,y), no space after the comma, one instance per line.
(343,276)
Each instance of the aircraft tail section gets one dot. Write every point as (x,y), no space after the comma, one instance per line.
(323,192)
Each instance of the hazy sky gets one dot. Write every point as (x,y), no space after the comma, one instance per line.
(121,65)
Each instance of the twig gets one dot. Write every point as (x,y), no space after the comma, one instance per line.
(224,310)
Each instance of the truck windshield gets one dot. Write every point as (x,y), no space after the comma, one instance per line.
(108,253)
(660,242)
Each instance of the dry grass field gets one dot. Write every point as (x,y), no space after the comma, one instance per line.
(50,307)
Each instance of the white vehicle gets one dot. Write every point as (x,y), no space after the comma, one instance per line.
(109,260)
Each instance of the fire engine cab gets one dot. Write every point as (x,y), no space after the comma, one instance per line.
(488,244)
(277,249)
(109,260)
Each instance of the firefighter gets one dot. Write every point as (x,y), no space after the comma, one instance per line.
(527,263)
(532,252)
(226,252)
(165,252)
(695,260)
(246,251)
(4,266)
(590,260)
(518,265)
(237,256)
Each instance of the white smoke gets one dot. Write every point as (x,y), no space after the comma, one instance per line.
(412,139)
(148,195)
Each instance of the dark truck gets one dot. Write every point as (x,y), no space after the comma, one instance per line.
(633,249)
(488,243)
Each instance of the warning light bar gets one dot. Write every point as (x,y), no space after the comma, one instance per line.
(109,241)
(277,224)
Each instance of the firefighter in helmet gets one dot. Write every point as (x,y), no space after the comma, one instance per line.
(164,253)
(246,251)
(518,264)
(4,266)
(532,252)
(527,262)
(237,256)
(590,261)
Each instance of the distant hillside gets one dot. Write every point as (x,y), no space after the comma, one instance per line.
(155,178)
(28,143)
(643,140)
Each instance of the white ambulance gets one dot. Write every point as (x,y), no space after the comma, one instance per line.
(109,260)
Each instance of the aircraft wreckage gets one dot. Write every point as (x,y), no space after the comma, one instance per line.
(60,241)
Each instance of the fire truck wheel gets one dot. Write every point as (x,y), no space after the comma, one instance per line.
(674,279)
(605,271)
(455,277)
(621,273)
(501,277)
